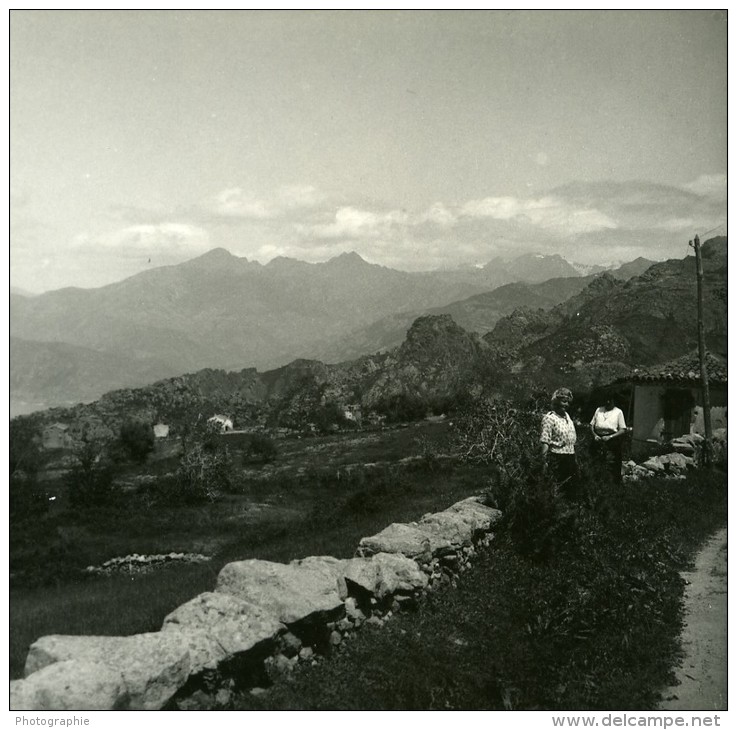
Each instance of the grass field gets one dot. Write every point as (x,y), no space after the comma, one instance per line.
(308,505)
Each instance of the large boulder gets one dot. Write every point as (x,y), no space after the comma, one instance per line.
(653,464)
(409,540)
(329,566)
(153,666)
(457,528)
(217,626)
(385,574)
(483,517)
(71,685)
(290,592)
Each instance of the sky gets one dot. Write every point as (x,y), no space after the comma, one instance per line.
(418,139)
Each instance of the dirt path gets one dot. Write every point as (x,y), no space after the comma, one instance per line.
(702,676)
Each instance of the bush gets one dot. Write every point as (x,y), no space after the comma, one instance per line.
(137,440)
(506,439)
(402,407)
(203,474)
(90,480)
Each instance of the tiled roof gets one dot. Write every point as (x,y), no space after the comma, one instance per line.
(685,369)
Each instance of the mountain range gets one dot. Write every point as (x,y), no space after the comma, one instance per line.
(222,311)
(593,336)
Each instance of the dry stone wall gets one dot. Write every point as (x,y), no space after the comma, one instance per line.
(260,621)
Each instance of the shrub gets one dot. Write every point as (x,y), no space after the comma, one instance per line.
(90,480)
(203,474)
(137,440)
(506,439)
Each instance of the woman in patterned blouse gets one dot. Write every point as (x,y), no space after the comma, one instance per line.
(558,439)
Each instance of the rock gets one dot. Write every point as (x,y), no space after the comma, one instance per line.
(70,685)
(682,447)
(223,697)
(306,653)
(674,462)
(153,666)
(277,666)
(677,462)
(335,638)
(290,644)
(457,528)
(329,566)
(228,624)
(408,540)
(653,464)
(352,610)
(484,517)
(344,625)
(374,621)
(291,592)
(385,574)
(257,691)
(640,472)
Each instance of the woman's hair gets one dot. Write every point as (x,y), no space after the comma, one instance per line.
(560,394)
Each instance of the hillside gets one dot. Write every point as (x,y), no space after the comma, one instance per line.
(223,311)
(477,313)
(55,372)
(612,325)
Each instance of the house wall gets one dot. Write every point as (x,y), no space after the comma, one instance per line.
(648,421)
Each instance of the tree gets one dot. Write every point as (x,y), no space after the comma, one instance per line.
(137,440)
(90,480)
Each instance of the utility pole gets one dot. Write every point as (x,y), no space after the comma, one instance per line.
(706,401)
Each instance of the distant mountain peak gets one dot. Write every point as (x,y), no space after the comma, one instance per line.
(216,254)
(347,258)
(286,262)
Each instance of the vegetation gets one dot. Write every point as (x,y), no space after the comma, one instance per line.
(578,606)
(136,440)
(321,498)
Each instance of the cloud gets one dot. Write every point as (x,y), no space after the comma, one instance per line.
(352,223)
(239,203)
(549,212)
(710,186)
(439,214)
(170,240)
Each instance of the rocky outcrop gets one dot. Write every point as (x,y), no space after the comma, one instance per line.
(261,621)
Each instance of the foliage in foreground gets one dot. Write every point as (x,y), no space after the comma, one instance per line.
(577,607)
(593,626)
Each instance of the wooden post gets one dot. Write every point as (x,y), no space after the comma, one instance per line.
(706,401)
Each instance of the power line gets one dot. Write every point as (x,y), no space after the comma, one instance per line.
(713,229)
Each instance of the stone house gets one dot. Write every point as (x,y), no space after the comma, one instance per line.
(56,436)
(225,423)
(665,401)
(161,430)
